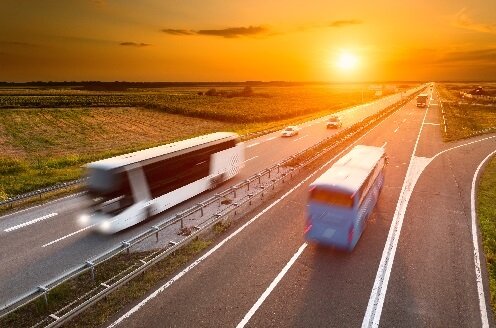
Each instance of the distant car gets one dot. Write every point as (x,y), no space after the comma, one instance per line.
(334,122)
(290,131)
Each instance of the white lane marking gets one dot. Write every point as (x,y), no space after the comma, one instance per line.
(272,138)
(396,130)
(478,270)
(249,159)
(427,123)
(404,120)
(67,236)
(463,145)
(31,222)
(384,145)
(253,145)
(271,287)
(216,247)
(376,300)
(301,137)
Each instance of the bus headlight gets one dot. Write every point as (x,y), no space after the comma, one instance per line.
(84,220)
(105,226)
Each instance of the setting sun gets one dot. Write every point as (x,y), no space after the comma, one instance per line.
(347,61)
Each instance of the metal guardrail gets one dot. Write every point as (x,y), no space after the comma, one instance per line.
(278,173)
(42,191)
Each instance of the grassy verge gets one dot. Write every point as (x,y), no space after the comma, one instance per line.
(465,120)
(486,212)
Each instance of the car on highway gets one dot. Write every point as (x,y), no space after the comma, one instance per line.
(334,122)
(290,131)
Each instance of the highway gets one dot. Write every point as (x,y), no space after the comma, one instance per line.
(45,241)
(415,265)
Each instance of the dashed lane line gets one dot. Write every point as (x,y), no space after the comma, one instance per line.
(249,159)
(301,138)
(25,224)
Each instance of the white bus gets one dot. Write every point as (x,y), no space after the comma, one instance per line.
(127,189)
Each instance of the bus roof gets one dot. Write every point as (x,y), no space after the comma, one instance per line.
(159,151)
(350,171)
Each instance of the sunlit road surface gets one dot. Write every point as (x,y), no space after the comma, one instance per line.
(267,276)
(45,241)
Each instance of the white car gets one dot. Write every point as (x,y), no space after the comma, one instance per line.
(334,122)
(290,131)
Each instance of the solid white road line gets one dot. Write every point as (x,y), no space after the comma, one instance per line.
(272,138)
(31,222)
(249,159)
(67,236)
(384,145)
(427,123)
(219,245)
(376,300)
(396,130)
(271,287)
(253,145)
(478,270)
(301,137)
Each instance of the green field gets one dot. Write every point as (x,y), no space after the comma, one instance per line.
(47,134)
(467,117)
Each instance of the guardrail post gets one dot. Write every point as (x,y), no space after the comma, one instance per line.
(126,244)
(92,266)
(179,216)
(259,178)
(278,168)
(248,183)
(250,196)
(234,191)
(201,209)
(44,290)
(156,232)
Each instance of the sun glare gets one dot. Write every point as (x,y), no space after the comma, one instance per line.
(347,61)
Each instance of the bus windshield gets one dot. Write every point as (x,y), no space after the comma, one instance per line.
(332,198)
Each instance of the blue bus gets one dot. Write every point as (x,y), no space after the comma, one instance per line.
(341,199)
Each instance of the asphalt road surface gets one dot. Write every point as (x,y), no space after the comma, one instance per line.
(45,241)
(415,265)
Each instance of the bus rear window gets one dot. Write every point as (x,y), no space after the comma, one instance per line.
(332,198)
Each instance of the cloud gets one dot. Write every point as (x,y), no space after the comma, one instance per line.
(173,31)
(231,32)
(17,44)
(345,22)
(135,44)
(462,20)
(235,32)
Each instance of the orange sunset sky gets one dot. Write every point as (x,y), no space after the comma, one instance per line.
(189,40)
